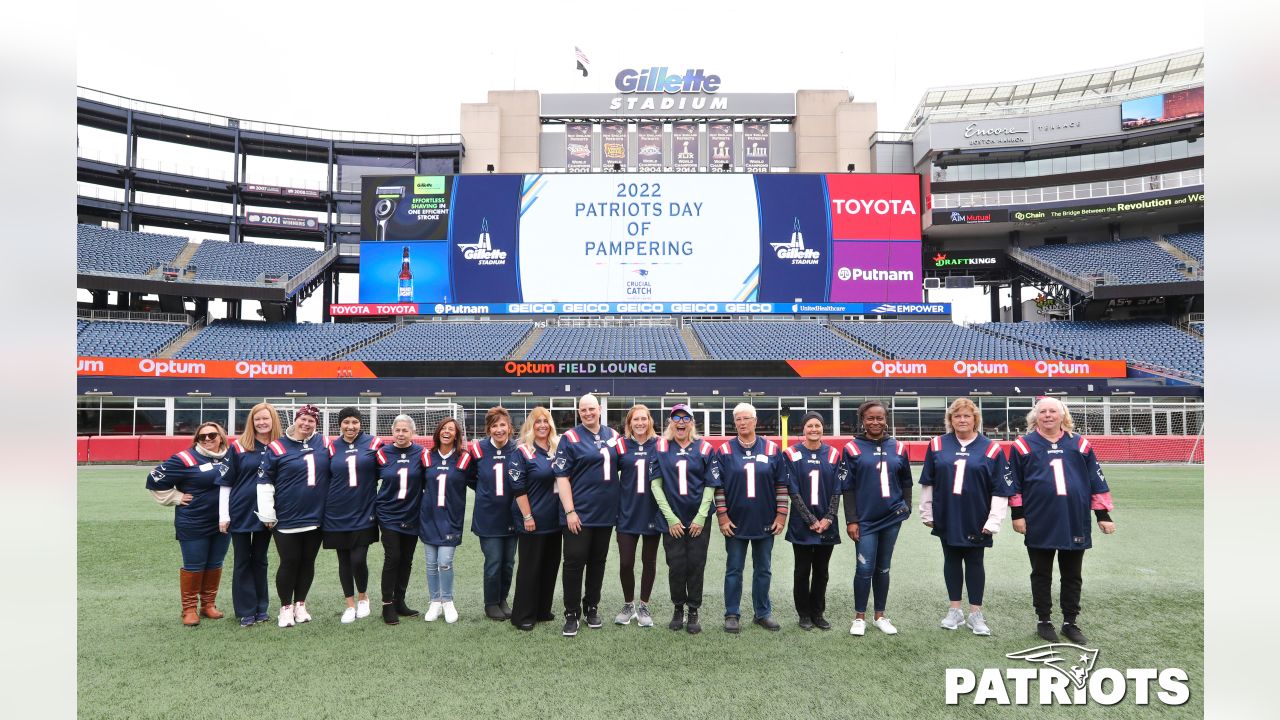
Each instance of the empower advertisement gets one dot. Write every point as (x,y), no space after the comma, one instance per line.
(599,241)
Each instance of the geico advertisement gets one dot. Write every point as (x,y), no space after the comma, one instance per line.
(232,369)
(665,237)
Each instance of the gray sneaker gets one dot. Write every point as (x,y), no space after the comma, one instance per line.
(953,620)
(644,619)
(978,624)
(625,615)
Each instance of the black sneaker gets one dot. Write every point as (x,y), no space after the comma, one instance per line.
(505,609)
(767,622)
(570,626)
(525,626)
(1072,632)
(806,623)
(389,615)
(493,612)
(593,618)
(693,626)
(731,624)
(821,623)
(1046,632)
(404,610)
(677,617)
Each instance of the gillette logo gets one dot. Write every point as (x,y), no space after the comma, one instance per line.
(794,250)
(658,80)
(482,249)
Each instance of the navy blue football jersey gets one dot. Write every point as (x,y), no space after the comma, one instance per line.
(590,461)
(637,510)
(353,484)
(444,498)
(683,473)
(964,477)
(299,470)
(878,473)
(814,475)
(750,478)
(529,473)
(401,472)
(491,512)
(242,478)
(1057,484)
(194,474)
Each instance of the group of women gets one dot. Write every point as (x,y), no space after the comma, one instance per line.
(543,496)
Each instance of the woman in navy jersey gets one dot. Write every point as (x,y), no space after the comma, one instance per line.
(964,498)
(349,524)
(586,467)
(751,508)
(637,516)
(678,477)
(491,519)
(187,481)
(401,472)
(537,514)
(1057,480)
(877,498)
(291,488)
(813,479)
(238,497)
(444,503)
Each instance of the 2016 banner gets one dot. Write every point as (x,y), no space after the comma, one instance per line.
(663,238)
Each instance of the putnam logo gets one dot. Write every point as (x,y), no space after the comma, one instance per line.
(851,274)
(794,249)
(443,309)
(1067,675)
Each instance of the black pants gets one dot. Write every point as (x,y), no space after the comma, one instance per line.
(686,561)
(353,569)
(250,593)
(397,564)
(587,550)
(297,564)
(962,567)
(810,578)
(1069,564)
(627,564)
(535,577)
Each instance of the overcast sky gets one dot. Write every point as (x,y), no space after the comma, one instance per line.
(406,68)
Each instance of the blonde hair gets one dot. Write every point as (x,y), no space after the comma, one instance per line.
(963,404)
(670,431)
(222,434)
(626,422)
(525,437)
(1068,423)
(248,438)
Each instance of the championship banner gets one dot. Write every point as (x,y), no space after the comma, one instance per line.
(649,147)
(293,222)
(720,147)
(613,145)
(228,369)
(684,146)
(755,146)
(577,145)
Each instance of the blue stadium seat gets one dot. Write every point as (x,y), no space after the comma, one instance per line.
(629,343)
(1135,341)
(776,341)
(939,341)
(447,341)
(117,338)
(1191,243)
(243,340)
(1135,261)
(245,262)
(101,250)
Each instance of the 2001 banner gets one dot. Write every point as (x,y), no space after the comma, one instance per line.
(665,238)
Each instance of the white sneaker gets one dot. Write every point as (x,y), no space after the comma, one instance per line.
(348,616)
(953,620)
(884,626)
(286,616)
(362,608)
(300,614)
(450,612)
(643,617)
(433,611)
(859,627)
(978,624)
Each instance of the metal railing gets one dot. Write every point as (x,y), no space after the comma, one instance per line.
(1078,191)
(91,314)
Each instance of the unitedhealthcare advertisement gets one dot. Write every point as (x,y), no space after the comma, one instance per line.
(718,241)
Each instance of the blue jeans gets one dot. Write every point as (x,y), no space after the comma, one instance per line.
(204,553)
(875,550)
(499,562)
(761,574)
(249,589)
(440,571)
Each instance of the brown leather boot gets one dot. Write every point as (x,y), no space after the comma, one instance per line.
(190,584)
(209,593)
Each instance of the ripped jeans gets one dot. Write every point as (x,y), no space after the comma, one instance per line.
(875,551)
(440,572)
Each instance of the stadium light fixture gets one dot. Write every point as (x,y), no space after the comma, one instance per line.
(753,393)
(1056,393)
(979,392)
(1122,392)
(445,393)
(521,393)
(677,392)
(370,394)
(295,393)
(198,393)
(108,393)
(906,393)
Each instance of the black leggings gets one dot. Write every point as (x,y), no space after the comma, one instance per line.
(1069,566)
(963,565)
(397,564)
(810,578)
(627,564)
(297,567)
(353,569)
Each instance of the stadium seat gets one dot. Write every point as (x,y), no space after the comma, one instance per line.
(117,338)
(939,341)
(1191,243)
(1147,342)
(117,252)
(776,341)
(629,343)
(243,340)
(447,341)
(246,262)
(1135,261)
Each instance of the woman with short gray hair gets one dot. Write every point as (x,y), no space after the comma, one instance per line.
(401,472)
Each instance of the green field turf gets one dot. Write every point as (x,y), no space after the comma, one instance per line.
(1142,606)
